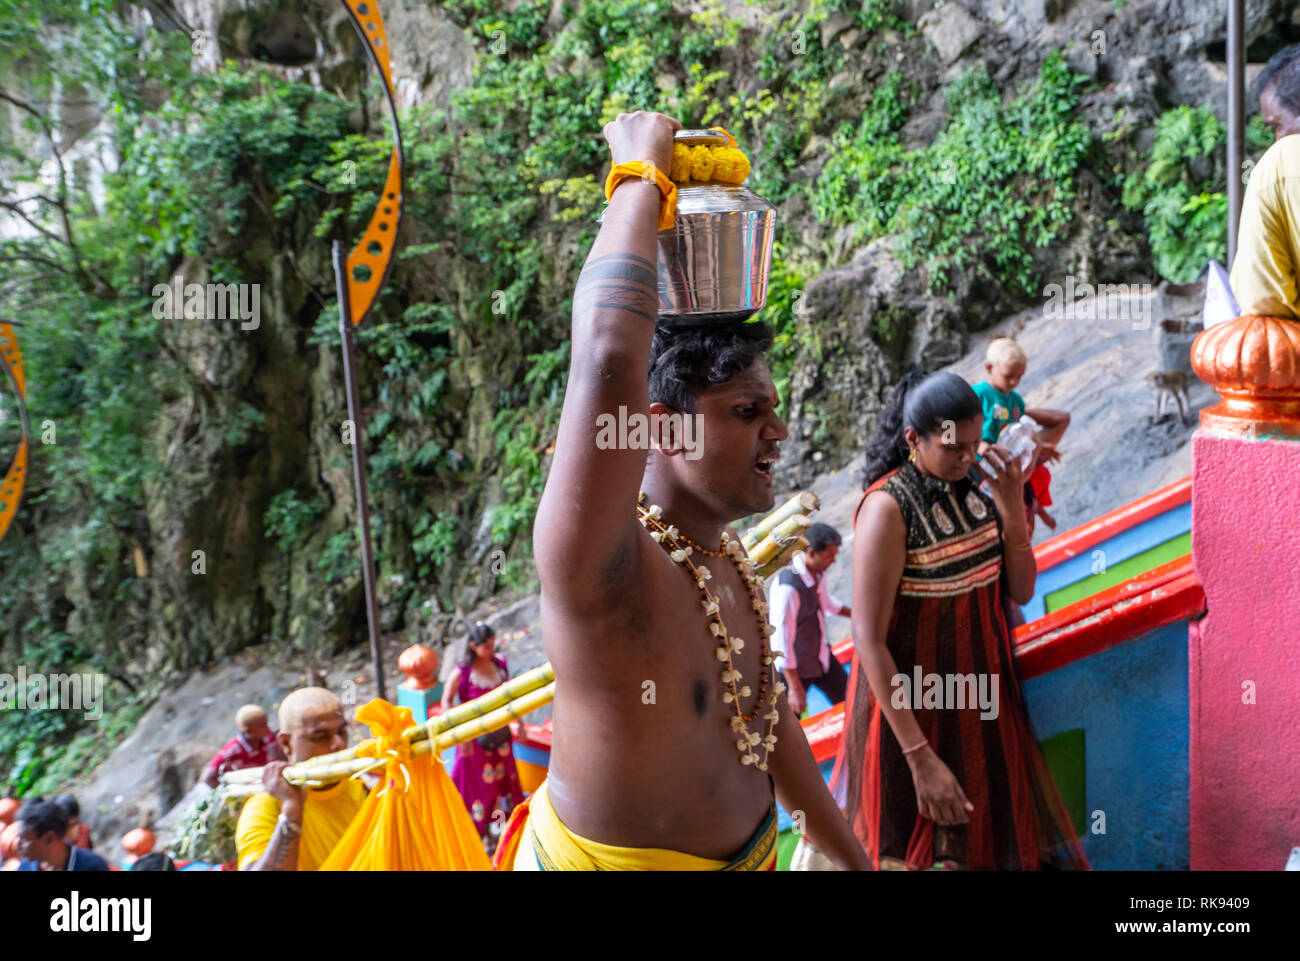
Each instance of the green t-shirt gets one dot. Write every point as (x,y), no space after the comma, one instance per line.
(999,409)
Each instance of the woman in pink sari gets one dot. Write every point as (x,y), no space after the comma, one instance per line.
(484,771)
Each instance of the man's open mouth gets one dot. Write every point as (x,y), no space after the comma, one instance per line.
(764,467)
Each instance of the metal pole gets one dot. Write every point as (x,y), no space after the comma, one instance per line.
(358,463)
(1236,118)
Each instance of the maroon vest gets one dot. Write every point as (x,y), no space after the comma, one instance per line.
(807,643)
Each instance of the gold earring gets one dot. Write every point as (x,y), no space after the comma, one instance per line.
(911,458)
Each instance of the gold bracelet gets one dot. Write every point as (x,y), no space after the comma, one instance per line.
(917,747)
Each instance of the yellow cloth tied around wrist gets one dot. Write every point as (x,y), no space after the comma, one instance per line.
(645,170)
(722,163)
(415,820)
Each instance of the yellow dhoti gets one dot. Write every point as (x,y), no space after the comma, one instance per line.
(545,844)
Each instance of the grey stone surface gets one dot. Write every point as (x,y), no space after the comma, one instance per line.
(951,29)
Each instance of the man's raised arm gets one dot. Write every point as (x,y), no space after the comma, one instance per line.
(586,523)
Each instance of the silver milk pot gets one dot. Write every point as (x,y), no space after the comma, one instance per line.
(715,260)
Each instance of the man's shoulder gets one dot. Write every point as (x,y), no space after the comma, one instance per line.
(1280,162)
(89,861)
(787,576)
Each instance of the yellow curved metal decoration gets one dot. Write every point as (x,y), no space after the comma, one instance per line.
(359,280)
(372,258)
(15,479)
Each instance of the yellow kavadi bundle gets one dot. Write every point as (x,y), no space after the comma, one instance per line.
(415,819)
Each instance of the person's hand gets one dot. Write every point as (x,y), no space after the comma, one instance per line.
(938,795)
(642,136)
(796,697)
(274,784)
(1007,483)
(1046,454)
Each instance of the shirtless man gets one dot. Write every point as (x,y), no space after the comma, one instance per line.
(638,781)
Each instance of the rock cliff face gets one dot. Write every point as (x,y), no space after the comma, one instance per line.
(865,317)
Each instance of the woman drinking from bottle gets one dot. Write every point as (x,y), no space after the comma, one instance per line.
(942,766)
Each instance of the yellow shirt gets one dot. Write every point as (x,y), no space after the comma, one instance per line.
(1268,242)
(325,816)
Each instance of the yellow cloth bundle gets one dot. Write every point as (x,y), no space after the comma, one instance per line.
(415,820)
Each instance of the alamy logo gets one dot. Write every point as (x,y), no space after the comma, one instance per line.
(1102,302)
(952,692)
(53,692)
(181,301)
(638,431)
(75,914)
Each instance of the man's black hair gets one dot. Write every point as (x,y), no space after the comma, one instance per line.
(42,817)
(1268,75)
(1285,85)
(686,357)
(821,536)
(154,861)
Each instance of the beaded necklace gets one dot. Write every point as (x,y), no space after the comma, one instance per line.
(679,550)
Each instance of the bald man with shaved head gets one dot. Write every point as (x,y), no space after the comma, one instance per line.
(253,746)
(287,828)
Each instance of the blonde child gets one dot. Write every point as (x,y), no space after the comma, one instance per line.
(1005,363)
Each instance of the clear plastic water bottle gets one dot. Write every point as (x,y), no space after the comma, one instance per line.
(1018,440)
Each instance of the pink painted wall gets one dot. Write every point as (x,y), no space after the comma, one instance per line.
(1245,758)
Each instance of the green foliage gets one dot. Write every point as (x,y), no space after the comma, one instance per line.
(206,831)
(289,519)
(41,752)
(997,182)
(339,559)
(785,288)
(1180,190)
(1175,192)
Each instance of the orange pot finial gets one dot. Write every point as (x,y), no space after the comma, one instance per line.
(419,664)
(1254,364)
(138,841)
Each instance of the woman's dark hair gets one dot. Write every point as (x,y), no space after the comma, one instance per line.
(922,401)
(479,633)
(686,357)
(68,804)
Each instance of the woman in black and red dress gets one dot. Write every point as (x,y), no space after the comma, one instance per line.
(943,783)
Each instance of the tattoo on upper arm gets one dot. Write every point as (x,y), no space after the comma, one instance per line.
(619,281)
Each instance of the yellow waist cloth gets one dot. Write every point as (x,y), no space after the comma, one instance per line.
(547,845)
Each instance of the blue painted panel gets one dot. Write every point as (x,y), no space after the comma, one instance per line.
(532,755)
(783,822)
(815,701)
(1127,543)
(1131,702)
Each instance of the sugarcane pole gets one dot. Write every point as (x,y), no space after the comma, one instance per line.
(358,464)
(1236,119)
